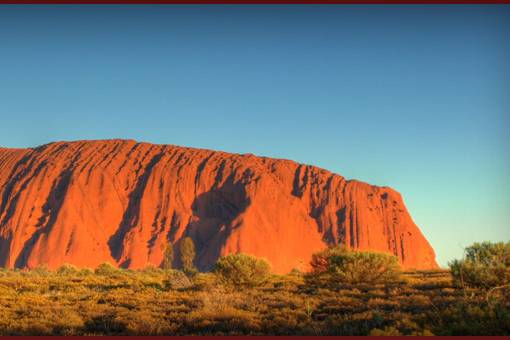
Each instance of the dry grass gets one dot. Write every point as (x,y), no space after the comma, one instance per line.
(143,302)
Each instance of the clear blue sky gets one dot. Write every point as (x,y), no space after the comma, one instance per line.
(413,97)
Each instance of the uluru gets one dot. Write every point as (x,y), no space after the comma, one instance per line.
(123,202)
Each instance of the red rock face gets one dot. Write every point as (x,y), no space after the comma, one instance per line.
(88,202)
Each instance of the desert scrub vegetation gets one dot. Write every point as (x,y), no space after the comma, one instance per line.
(156,301)
(241,270)
(485,265)
(340,265)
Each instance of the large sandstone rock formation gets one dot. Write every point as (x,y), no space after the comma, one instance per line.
(120,201)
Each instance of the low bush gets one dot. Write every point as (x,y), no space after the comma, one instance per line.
(106,269)
(320,260)
(67,269)
(177,280)
(41,270)
(242,270)
(205,281)
(354,267)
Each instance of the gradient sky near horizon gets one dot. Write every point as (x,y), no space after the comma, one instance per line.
(413,97)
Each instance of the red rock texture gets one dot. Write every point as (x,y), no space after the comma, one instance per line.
(120,201)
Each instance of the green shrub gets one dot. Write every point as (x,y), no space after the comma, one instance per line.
(242,270)
(85,272)
(355,266)
(106,269)
(484,265)
(320,260)
(67,269)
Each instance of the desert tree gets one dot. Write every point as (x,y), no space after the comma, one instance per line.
(187,252)
(168,257)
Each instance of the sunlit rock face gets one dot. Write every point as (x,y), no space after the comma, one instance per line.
(120,201)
